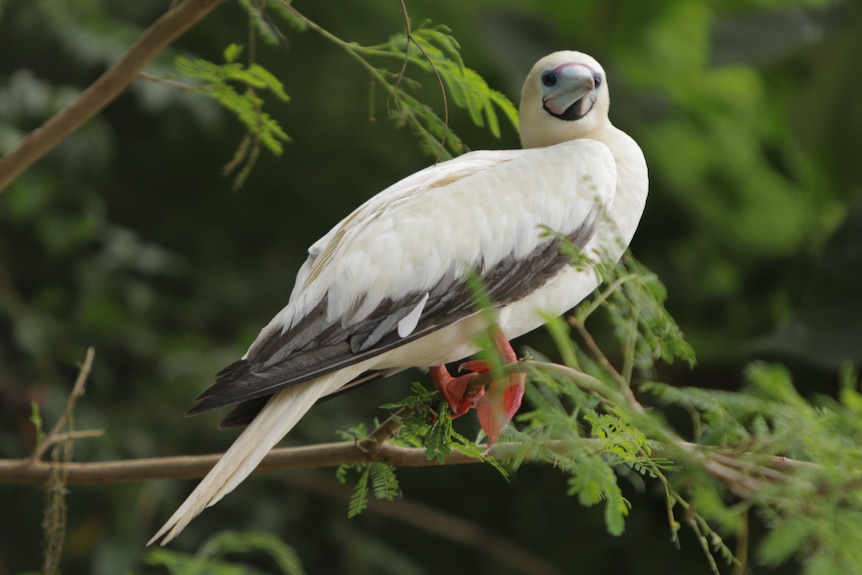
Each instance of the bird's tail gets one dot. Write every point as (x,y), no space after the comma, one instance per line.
(274,421)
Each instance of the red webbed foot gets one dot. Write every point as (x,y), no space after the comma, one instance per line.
(495,405)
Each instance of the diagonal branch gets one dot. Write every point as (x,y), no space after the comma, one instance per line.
(103,91)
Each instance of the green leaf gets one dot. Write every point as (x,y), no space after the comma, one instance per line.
(232,52)
(438,440)
(384,482)
(219,82)
(359,500)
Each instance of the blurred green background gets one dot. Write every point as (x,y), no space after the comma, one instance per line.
(128,238)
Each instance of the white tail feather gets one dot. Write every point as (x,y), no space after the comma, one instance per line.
(273,422)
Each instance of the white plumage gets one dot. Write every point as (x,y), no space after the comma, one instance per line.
(382,291)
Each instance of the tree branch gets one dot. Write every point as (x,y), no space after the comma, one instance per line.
(103,91)
(28,472)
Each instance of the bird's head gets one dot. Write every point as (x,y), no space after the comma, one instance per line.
(565,97)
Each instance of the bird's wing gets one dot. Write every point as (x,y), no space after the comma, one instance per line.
(397,268)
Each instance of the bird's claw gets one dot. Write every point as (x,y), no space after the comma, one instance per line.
(495,404)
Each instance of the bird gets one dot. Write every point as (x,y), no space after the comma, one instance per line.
(388,288)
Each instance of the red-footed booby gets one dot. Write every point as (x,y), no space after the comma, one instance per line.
(386,288)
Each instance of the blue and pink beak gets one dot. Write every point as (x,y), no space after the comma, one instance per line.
(570,90)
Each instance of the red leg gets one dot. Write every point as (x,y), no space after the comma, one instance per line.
(495,406)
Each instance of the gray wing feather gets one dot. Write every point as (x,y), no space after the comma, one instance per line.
(316,346)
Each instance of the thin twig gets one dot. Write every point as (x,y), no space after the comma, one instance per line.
(103,91)
(412,40)
(171,83)
(375,440)
(353,50)
(606,364)
(77,391)
(54,520)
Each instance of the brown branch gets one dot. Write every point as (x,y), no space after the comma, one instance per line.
(103,91)
(77,391)
(375,440)
(27,472)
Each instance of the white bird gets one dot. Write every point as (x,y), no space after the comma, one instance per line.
(386,289)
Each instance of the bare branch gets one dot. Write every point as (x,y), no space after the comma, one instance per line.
(27,472)
(103,91)
(77,391)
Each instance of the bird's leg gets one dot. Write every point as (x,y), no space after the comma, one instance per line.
(495,405)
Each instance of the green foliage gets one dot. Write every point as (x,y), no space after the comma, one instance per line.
(266,29)
(766,445)
(438,440)
(212,557)
(436,50)
(379,478)
(218,83)
(797,460)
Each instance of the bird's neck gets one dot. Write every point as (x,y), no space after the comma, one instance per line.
(632,181)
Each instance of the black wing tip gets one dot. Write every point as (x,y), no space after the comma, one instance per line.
(214,396)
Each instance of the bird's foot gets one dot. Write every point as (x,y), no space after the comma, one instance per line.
(460,396)
(496,404)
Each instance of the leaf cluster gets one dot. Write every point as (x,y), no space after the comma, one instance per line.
(431,48)
(435,50)
(766,449)
(220,81)
(375,477)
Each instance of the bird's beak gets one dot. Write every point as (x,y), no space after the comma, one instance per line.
(574,93)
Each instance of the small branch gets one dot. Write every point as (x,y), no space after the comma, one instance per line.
(605,363)
(54,521)
(103,91)
(166,82)
(375,440)
(77,391)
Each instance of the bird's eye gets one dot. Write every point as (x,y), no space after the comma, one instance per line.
(549,79)
(597,79)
